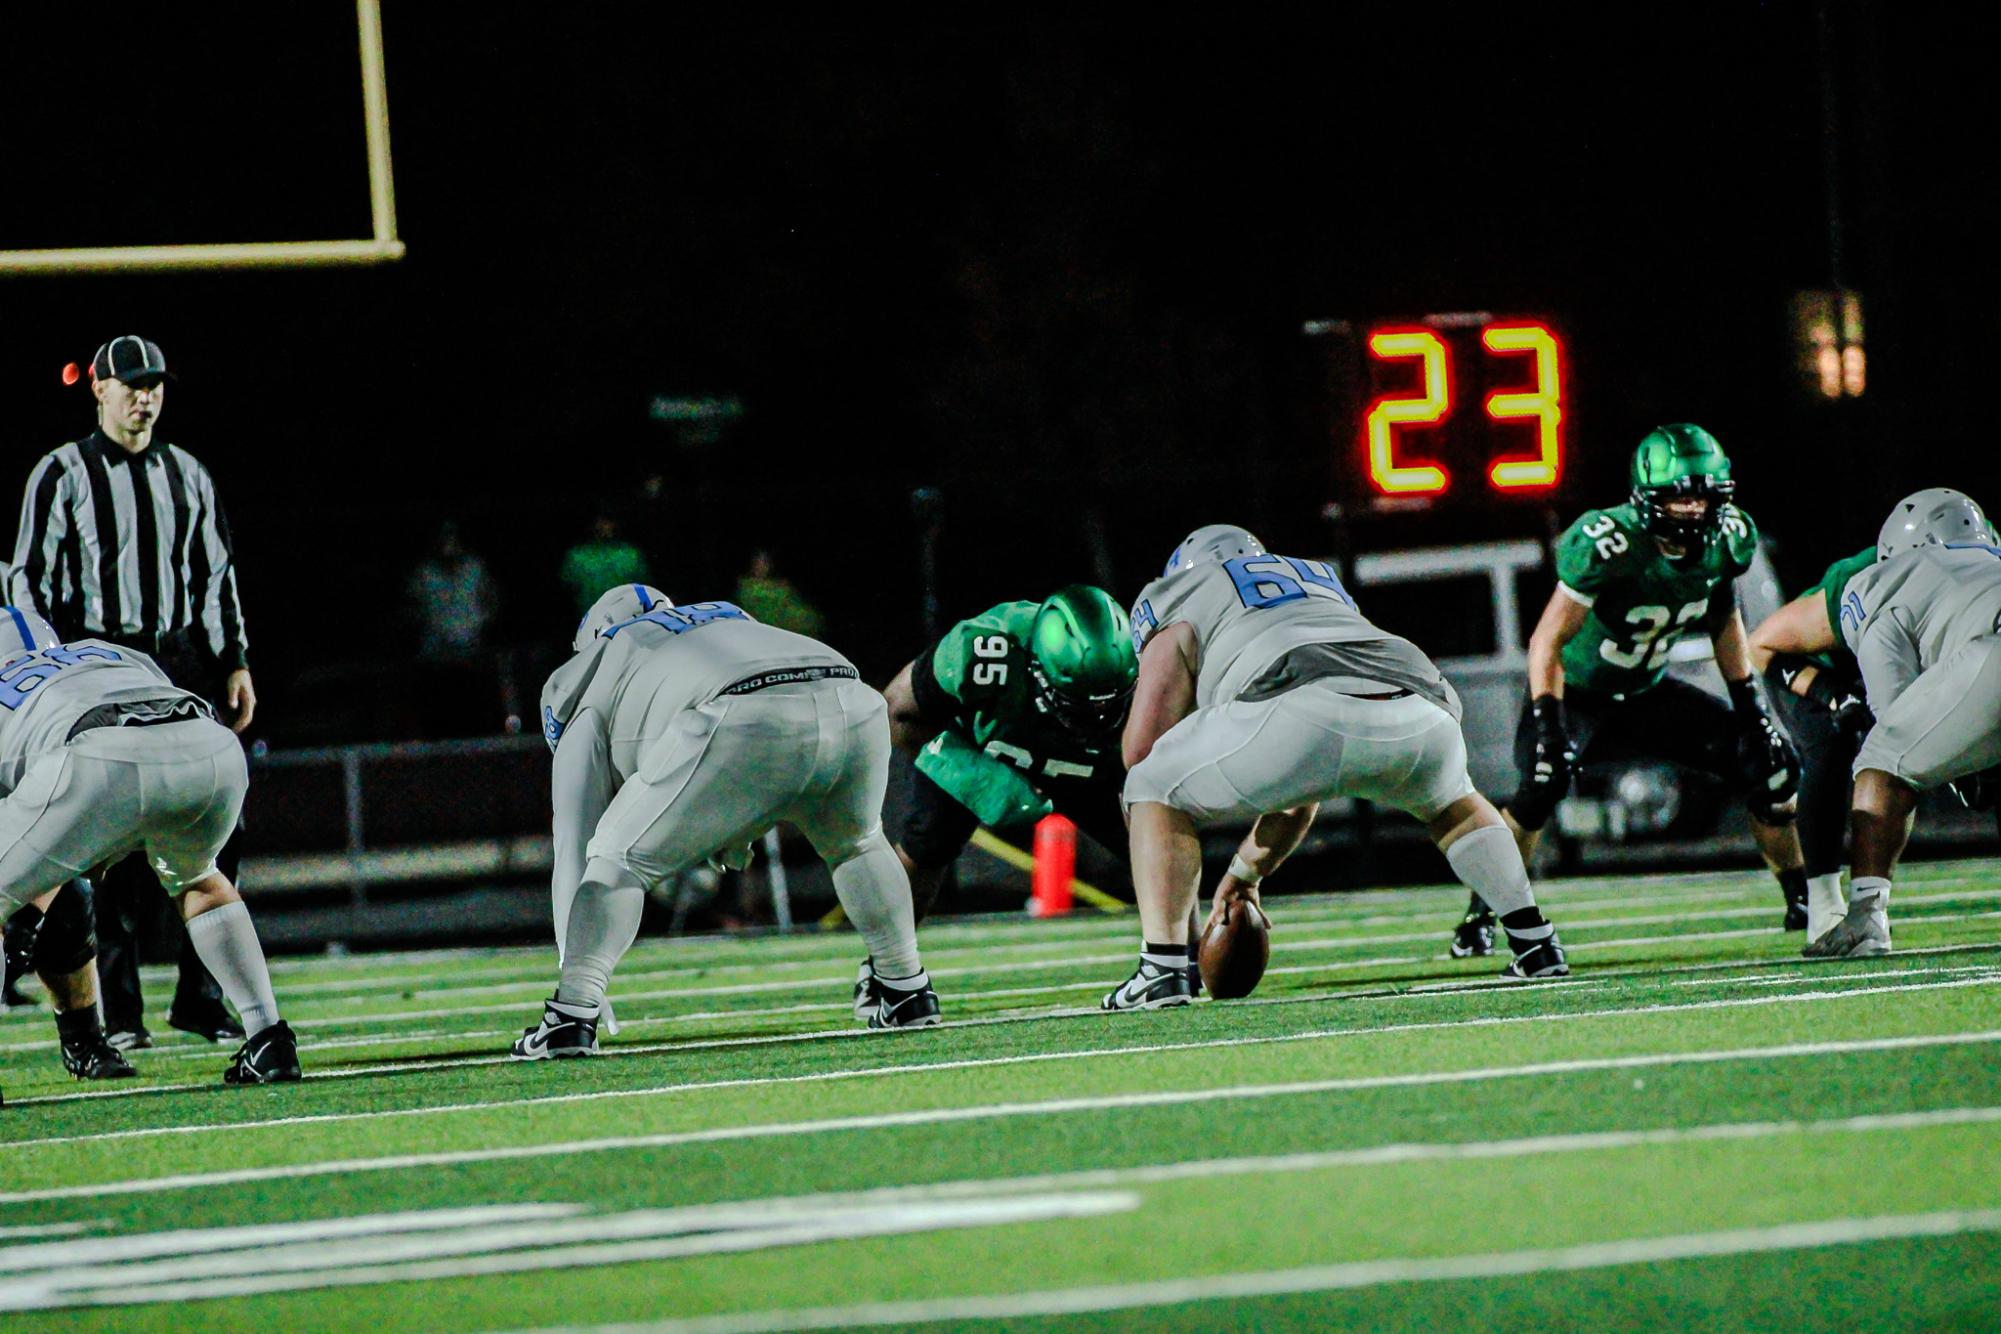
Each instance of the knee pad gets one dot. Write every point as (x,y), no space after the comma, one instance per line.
(68,938)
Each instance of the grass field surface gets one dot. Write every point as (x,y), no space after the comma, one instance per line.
(1698,1130)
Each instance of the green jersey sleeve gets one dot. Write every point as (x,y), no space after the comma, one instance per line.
(1836,579)
(963,662)
(1595,552)
(997,793)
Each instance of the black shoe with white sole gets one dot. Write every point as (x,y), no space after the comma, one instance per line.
(91,1057)
(1537,958)
(564,1031)
(1151,987)
(1474,936)
(897,1008)
(865,997)
(269,1057)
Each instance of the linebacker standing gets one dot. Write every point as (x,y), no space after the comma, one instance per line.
(123,539)
(1631,581)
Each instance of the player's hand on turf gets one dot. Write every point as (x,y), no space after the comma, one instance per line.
(240,697)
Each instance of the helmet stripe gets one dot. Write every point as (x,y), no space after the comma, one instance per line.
(21,628)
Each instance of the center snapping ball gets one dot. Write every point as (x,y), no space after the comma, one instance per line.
(1236,946)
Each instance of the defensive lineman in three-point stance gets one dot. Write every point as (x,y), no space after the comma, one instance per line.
(1263,692)
(1631,581)
(680,735)
(1924,623)
(101,756)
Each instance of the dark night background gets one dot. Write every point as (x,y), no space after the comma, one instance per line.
(1055,268)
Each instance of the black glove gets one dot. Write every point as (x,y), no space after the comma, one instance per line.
(1555,759)
(1770,764)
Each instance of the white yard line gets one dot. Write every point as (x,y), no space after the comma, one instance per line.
(989,1112)
(831,1034)
(1326,1278)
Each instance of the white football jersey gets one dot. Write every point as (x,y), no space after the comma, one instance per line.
(43,694)
(638,675)
(1253,616)
(1903,615)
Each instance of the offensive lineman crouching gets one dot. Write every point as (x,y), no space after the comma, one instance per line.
(680,735)
(1263,692)
(101,756)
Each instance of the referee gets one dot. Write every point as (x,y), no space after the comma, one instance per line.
(123,538)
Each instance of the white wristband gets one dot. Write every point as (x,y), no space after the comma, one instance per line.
(1242,871)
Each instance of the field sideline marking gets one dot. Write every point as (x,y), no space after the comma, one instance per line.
(711,1044)
(988,1112)
(1328,1278)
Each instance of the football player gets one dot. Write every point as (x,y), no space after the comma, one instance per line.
(1631,581)
(1819,688)
(1013,714)
(1922,623)
(680,735)
(1263,692)
(101,756)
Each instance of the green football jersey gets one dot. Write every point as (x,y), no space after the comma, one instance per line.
(1640,602)
(982,663)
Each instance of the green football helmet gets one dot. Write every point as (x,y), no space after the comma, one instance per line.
(1681,462)
(1081,656)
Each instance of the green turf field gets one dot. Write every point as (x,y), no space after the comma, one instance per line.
(1698,1131)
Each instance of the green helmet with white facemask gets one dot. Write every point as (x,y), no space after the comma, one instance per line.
(1082,660)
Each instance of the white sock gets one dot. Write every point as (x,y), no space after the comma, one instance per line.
(1488,863)
(603,922)
(228,946)
(1869,892)
(875,893)
(1824,891)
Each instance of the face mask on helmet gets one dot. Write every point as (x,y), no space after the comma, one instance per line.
(1081,659)
(1681,482)
(616,607)
(1216,542)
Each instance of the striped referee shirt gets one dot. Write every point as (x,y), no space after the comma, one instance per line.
(130,547)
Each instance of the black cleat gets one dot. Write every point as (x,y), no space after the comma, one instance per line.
(562,1033)
(1537,958)
(1474,936)
(1795,915)
(130,1039)
(904,1009)
(1151,987)
(205,1018)
(272,1057)
(91,1057)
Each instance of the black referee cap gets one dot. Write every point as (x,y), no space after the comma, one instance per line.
(129,358)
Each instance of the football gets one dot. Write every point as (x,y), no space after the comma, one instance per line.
(1236,946)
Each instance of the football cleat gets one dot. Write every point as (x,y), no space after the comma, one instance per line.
(1863,934)
(1796,914)
(130,1039)
(1474,936)
(1537,958)
(562,1032)
(865,998)
(91,1057)
(1151,987)
(205,1018)
(271,1057)
(896,1008)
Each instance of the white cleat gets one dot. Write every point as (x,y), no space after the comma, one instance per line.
(1863,934)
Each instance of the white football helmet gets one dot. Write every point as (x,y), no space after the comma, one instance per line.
(1214,542)
(617,607)
(1933,517)
(23,632)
